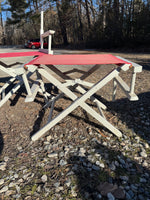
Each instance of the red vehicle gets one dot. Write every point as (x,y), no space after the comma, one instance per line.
(35,44)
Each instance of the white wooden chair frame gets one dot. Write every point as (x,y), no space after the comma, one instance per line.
(66,89)
(21,75)
(44,35)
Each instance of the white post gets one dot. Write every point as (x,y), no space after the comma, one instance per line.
(114,89)
(132,83)
(49,44)
(41,30)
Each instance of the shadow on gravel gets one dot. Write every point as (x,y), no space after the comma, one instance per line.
(38,122)
(119,174)
(144,62)
(135,114)
(1,143)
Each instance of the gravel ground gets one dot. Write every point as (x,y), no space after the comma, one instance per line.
(78,159)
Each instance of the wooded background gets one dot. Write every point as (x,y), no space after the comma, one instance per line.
(87,23)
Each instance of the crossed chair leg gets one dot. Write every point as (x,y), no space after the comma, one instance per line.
(22,77)
(70,85)
(77,101)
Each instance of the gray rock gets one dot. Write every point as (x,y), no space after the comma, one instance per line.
(62,162)
(39,188)
(12,184)
(19,148)
(17,196)
(146,145)
(105,188)
(73,192)
(4,189)
(141,197)
(102,165)
(116,163)
(26,176)
(28,198)
(57,184)
(122,161)
(130,192)
(17,188)
(112,166)
(6,158)
(49,138)
(145,164)
(53,155)
(143,180)
(119,193)
(1,181)
(143,154)
(96,168)
(134,188)
(3,166)
(110,196)
(99,196)
(86,195)
(20,181)
(124,178)
(70,173)
(60,188)
(16,176)
(105,143)
(128,197)
(44,178)
(68,183)
(61,154)
(9,192)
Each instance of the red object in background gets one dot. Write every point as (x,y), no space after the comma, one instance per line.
(35,44)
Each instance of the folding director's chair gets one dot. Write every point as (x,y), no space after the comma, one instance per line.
(70,85)
(20,76)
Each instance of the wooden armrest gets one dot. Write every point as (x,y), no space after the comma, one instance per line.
(47,33)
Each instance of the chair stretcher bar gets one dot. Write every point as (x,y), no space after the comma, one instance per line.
(78,102)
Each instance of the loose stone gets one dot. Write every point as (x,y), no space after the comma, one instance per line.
(96,168)
(3,166)
(110,196)
(62,162)
(4,189)
(102,165)
(57,184)
(6,158)
(143,180)
(44,178)
(52,155)
(1,181)
(143,154)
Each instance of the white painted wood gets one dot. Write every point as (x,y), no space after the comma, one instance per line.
(7,84)
(77,102)
(132,83)
(34,89)
(137,67)
(126,89)
(114,89)
(47,33)
(41,30)
(11,92)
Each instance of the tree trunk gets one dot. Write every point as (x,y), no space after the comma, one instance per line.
(80,21)
(62,24)
(87,13)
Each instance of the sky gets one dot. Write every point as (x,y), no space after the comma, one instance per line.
(5,14)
